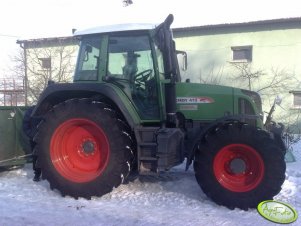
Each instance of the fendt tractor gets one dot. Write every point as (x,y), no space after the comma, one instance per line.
(128,113)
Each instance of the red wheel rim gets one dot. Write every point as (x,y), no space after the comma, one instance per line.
(79,150)
(238,167)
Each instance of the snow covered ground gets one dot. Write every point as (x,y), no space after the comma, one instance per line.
(171,199)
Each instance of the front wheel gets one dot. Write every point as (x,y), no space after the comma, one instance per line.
(238,165)
(83,149)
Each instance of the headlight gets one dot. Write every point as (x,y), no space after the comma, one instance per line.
(245,107)
(255,97)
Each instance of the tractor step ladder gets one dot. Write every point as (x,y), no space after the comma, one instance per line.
(147,150)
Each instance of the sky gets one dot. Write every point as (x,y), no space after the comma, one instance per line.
(26,19)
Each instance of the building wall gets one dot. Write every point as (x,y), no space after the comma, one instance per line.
(271,49)
(276,56)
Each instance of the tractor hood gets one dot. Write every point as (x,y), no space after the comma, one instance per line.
(204,102)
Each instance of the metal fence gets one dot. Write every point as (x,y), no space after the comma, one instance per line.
(12,92)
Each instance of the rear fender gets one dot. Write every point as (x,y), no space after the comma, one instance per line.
(57,93)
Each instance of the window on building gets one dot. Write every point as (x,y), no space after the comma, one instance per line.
(242,53)
(45,63)
(296,99)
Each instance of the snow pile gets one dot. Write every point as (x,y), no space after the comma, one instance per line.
(173,198)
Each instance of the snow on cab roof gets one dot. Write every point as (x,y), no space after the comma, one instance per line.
(115,28)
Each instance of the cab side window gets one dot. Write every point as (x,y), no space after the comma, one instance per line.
(88,61)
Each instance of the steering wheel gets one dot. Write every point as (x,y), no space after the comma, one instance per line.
(143,76)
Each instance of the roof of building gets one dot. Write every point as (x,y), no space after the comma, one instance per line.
(263,24)
(47,42)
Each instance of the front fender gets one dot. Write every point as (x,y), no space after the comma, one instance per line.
(191,148)
(277,129)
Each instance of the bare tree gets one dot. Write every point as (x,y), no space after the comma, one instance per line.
(44,64)
(267,83)
(12,91)
(214,76)
(246,73)
(292,133)
(271,83)
(17,71)
(279,81)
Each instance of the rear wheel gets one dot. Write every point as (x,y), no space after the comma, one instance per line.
(83,148)
(239,166)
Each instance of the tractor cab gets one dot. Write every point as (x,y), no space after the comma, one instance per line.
(135,58)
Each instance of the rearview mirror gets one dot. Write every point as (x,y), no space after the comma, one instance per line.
(278,100)
(184,59)
(88,49)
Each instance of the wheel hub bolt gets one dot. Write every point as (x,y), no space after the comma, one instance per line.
(88,147)
(238,166)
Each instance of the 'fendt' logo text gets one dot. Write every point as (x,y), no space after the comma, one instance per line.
(194,100)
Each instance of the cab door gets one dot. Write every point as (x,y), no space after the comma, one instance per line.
(131,65)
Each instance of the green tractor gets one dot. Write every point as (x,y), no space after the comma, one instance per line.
(127,112)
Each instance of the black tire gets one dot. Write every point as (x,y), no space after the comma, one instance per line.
(243,153)
(27,126)
(30,125)
(84,148)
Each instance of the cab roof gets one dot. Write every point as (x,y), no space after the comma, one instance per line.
(115,28)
